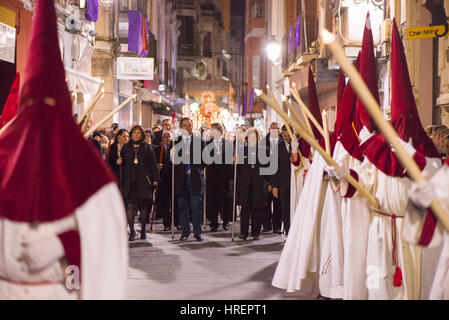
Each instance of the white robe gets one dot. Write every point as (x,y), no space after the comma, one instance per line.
(354,223)
(440,285)
(392,196)
(298,178)
(299,263)
(101,224)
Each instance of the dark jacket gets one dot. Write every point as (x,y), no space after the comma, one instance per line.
(135,176)
(166,172)
(248,176)
(219,175)
(157,138)
(281,179)
(112,160)
(197,170)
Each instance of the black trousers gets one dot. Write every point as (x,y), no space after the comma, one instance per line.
(163,205)
(255,214)
(285,209)
(273,214)
(217,205)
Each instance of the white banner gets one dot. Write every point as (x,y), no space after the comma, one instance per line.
(135,68)
(7,43)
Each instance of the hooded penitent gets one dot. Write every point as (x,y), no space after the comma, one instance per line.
(49,171)
(405,121)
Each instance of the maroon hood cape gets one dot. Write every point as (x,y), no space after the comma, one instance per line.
(10,108)
(405,120)
(47,168)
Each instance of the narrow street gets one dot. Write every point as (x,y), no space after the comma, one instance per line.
(215,269)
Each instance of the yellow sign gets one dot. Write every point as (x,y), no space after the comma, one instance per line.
(7,16)
(424,32)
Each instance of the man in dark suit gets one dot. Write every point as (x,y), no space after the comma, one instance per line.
(164,190)
(273,218)
(157,136)
(189,179)
(281,180)
(219,178)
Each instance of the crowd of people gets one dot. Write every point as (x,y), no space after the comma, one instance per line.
(141,161)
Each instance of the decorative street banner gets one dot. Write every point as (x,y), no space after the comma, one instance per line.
(7,43)
(424,32)
(135,31)
(135,68)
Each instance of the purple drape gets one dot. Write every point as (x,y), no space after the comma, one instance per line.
(298,32)
(251,100)
(245,101)
(135,31)
(91,10)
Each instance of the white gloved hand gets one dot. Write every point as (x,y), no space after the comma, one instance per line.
(408,146)
(365,135)
(295,145)
(337,173)
(422,194)
(41,251)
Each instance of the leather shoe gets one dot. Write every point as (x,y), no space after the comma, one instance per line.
(256,237)
(132,235)
(242,237)
(183,238)
(199,238)
(226,227)
(143,236)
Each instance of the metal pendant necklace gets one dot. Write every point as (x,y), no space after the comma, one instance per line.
(136,148)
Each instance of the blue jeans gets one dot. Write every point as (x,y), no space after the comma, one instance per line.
(185,203)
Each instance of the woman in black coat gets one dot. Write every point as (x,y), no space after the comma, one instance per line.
(251,185)
(139,176)
(120,139)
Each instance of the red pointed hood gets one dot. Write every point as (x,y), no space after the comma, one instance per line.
(404,113)
(47,168)
(404,117)
(347,120)
(346,105)
(10,108)
(44,74)
(314,105)
(368,71)
(341,86)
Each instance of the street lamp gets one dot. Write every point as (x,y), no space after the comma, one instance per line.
(274,50)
